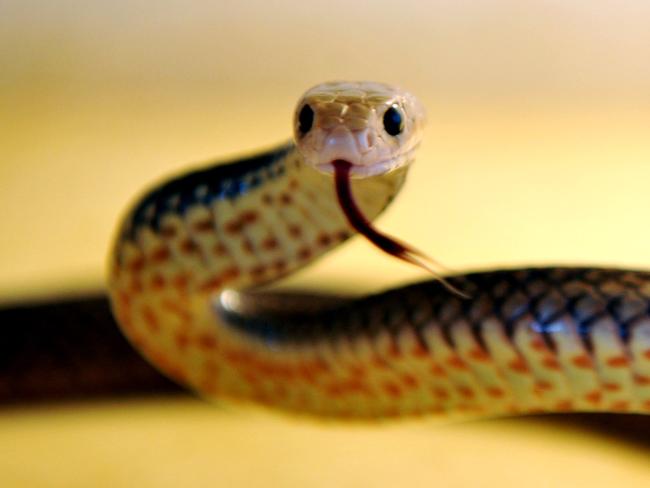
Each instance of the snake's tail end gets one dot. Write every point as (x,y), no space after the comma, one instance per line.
(386,243)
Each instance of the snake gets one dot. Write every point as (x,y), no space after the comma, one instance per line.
(192,255)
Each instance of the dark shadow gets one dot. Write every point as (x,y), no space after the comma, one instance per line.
(70,349)
(628,428)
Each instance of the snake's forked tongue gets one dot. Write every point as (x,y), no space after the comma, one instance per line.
(386,243)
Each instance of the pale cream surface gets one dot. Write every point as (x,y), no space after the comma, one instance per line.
(537,152)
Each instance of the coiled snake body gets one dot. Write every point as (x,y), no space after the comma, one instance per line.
(523,340)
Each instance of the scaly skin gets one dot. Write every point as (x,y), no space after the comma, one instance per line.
(524,341)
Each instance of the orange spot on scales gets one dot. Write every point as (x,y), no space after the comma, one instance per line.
(563,406)
(356,386)
(620,406)
(136,339)
(166,364)
(495,392)
(419,351)
(512,409)
(247,246)
(306,374)
(357,371)
(277,370)
(280,265)
(611,386)
(239,357)
(258,271)
(324,240)
(116,271)
(168,231)
(479,355)
(135,286)
(262,397)
(216,282)
(321,365)
(642,380)
(160,255)
(181,340)
(342,235)
(137,264)
(409,381)
(518,365)
(392,389)
(582,361)
(456,362)
(209,386)
(440,393)
(538,345)
(206,341)
(234,226)
(270,243)
(125,321)
(249,217)
(294,230)
(594,397)
(124,300)
(188,246)
(393,351)
(204,225)
(465,392)
(212,284)
(469,408)
(219,249)
(551,363)
(304,253)
(618,362)
(177,309)
(438,371)
(157,282)
(180,282)
(231,273)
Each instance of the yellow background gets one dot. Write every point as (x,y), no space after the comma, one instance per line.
(537,151)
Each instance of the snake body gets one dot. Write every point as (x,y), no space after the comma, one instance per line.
(523,340)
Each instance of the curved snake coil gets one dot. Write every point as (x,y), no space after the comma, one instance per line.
(523,340)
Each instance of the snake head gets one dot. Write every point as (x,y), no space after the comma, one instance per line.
(374,127)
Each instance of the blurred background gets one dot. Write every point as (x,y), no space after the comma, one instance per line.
(537,152)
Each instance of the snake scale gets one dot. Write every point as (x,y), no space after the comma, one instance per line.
(191,251)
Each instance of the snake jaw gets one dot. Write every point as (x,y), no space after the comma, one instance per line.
(359,170)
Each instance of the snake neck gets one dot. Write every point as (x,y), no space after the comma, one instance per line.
(237,225)
(227,227)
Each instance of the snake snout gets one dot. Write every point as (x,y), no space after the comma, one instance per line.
(340,143)
(354,147)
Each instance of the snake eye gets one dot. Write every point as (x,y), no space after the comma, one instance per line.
(305,119)
(393,122)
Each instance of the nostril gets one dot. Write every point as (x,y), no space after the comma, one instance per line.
(370,139)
